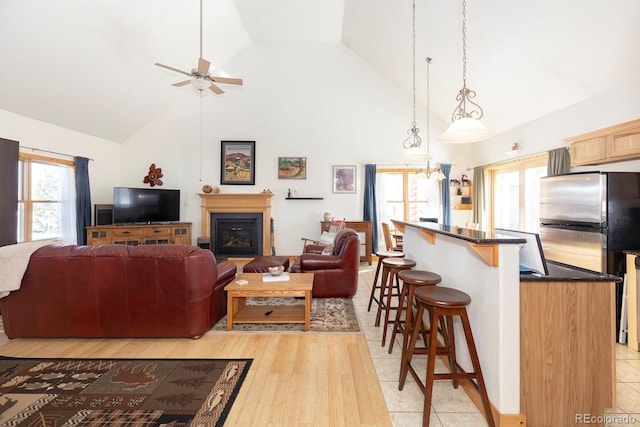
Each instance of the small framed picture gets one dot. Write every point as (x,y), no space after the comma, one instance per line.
(344,179)
(238,163)
(292,168)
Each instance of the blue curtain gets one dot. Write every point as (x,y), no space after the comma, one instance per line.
(370,203)
(446,194)
(83,199)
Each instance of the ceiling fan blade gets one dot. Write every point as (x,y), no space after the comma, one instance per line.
(173,69)
(203,66)
(180,84)
(215,89)
(227,80)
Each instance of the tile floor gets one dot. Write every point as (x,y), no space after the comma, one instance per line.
(451,407)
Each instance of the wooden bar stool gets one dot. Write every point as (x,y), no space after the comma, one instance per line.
(442,302)
(381,256)
(390,269)
(411,280)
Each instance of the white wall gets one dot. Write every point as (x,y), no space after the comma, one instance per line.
(105,168)
(318,101)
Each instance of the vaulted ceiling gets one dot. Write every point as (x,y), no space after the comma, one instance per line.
(88,65)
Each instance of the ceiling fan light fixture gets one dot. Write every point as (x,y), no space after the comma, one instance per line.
(199,77)
(200,83)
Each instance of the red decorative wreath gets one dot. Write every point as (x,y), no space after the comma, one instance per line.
(154,176)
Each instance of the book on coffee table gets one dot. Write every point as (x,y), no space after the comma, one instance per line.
(267,277)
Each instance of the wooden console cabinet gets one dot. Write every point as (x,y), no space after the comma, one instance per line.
(363,228)
(175,233)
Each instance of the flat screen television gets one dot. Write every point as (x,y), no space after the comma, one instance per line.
(532,258)
(145,205)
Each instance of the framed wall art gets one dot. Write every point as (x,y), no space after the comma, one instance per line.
(344,179)
(292,168)
(238,163)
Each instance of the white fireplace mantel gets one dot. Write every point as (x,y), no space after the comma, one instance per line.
(238,203)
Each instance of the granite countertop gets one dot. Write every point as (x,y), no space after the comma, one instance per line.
(559,272)
(474,236)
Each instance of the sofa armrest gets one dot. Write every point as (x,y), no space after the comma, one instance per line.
(226,272)
(320,262)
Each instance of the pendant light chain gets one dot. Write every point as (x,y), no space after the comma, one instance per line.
(428,124)
(413,140)
(465,95)
(464,42)
(414,63)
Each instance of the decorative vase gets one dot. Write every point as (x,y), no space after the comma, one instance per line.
(207,189)
(327,216)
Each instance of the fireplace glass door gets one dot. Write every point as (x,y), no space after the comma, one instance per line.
(236,234)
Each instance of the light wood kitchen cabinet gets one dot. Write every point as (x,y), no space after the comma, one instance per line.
(612,144)
(588,152)
(625,144)
(177,233)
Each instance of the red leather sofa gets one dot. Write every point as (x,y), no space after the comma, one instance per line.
(334,275)
(118,291)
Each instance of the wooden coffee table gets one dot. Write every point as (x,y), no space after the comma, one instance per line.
(298,285)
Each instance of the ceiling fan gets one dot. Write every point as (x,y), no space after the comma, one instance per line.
(200,77)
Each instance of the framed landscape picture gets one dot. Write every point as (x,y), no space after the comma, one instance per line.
(292,168)
(344,179)
(238,163)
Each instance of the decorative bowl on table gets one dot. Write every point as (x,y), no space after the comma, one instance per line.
(276,271)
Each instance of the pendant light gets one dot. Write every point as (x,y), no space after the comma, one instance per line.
(466,125)
(414,153)
(436,172)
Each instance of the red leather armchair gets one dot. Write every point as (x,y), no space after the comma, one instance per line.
(335,275)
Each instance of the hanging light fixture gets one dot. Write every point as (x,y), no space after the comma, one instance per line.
(435,172)
(466,125)
(414,153)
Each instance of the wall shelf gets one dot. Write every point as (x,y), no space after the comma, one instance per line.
(304,198)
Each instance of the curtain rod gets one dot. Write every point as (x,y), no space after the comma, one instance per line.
(47,151)
(516,158)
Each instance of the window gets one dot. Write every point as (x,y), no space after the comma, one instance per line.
(407,195)
(46,199)
(516,193)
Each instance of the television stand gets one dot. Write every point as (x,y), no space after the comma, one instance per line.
(170,233)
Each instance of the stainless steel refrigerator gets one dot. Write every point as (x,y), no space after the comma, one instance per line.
(587,219)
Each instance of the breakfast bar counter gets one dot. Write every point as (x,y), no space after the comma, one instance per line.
(545,343)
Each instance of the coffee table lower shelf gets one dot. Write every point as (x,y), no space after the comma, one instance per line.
(276,314)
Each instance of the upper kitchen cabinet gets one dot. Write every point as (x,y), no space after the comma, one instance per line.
(612,144)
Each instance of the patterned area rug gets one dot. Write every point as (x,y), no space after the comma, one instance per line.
(122,392)
(327,315)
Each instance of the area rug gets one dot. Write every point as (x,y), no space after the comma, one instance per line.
(118,392)
(327,315)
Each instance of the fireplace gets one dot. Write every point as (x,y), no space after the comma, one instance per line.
(236,203)
(236,234)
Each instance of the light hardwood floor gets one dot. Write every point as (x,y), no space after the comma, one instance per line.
(298,379)
(307,379)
